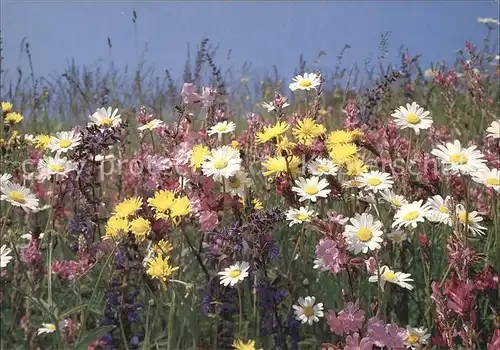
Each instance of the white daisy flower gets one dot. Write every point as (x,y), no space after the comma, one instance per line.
(411,214)
(298,216)
(394,199)
(486,20)
(416,337)
(236,184)
(4,179)
(375,181)
(224,161)
(322,166)
(388,275)
(271,107)
(105,118)
(153,124)
(397,236)
(311,188)
(49,166)
(413,116)
(471,219)
(489,178)
(306,82)
(221,128)
(439,210)
(99,158)
(64,141)
(29,138)
(364,234)
(494,130)
(46,328)
(5,258)
(306,311)
(457,159)
(234,274)
(19,196)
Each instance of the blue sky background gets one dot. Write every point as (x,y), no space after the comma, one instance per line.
(264,33)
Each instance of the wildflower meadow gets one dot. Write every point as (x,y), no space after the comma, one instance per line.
(326,217)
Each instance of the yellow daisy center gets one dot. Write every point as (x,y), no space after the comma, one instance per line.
(389,276)
(305,83)
(458,158)
(57,168)
(308,311)
(412,215)
(463,219)
(234,182)
(17,197)
(444,210)
(396,202)
(412,118)
(374,181)
(301,216)
(493,181)
(311,190)
(413,339)
(323,168)
(220,163)
(234,273)
(64,143)
(364,234)
(109,122)
(220,128)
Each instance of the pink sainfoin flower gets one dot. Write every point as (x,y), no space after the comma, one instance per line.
(346,321)
(30,255)
(144,117)
(355,343)
(208,96)
(189,94)
(208,220)
(351,111)
(330,257)
(371,265)
(486,279)
(461,298)
(494,343)
(396,336)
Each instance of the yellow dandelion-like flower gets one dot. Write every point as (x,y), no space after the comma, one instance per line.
(13,118)
(128,207)
(357,134)
(160,268)
(355,167)
(6,106)
(181,207)
(257,204)
(42,141)
(307,129)
(284,145)
(278,165)
(116,228)
(241,345)
(338,137)
(162,247)
(270,132)
(342,153)
(198,154)
(162,201)
(13,137)
(235,144)
(140,227)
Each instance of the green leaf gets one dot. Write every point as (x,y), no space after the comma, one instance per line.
(92,335)
(71,311)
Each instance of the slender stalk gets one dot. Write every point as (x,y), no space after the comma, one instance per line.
(240,322)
